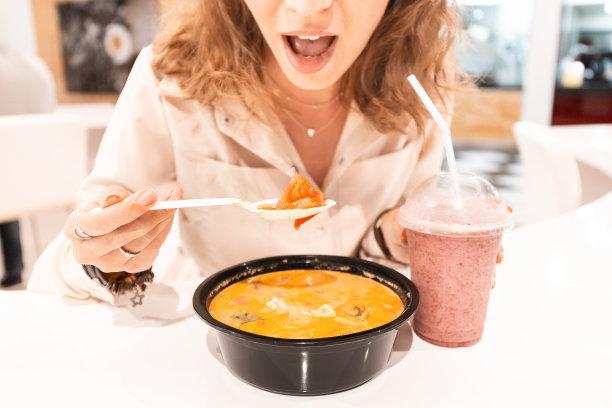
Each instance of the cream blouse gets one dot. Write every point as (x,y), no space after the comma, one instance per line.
(158,137)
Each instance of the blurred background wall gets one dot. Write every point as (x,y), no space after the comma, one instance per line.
(17,25)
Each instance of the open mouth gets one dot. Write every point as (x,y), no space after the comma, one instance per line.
(310,46)
(309,53)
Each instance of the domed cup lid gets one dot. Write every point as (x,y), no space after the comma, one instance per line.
(463,205)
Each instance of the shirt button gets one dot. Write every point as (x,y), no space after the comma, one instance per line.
(227,120)
(319,231)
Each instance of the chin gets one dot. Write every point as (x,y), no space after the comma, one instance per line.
(311,82)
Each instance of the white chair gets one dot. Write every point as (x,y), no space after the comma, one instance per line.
(592,145)
(43,160)
(552,183)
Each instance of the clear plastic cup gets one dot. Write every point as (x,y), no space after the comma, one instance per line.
(454,229)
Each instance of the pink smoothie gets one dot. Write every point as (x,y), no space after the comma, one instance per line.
(453,276)
(453,249)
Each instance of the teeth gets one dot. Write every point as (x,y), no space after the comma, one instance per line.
(309,37)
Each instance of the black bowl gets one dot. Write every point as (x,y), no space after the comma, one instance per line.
(306,366)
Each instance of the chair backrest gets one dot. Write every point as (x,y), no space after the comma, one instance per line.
(552,183)
(43,159)
(592,145)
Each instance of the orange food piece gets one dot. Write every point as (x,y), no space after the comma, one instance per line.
(299,193)
(298,223)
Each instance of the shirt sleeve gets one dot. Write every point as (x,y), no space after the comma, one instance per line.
(428,163)
(136,152)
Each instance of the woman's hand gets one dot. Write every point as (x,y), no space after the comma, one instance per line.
(395,236)
(126,223)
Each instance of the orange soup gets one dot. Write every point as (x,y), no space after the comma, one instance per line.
(306,304)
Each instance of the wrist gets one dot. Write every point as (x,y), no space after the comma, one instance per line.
(379,236)
(119,282)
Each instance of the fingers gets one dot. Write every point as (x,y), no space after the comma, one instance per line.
(395,236)
(122,221)
(112,195)
(119,214)
(500,255)
(152,249)
(135,230)
(88,220)
(136,242)
(146,255)
(160,231)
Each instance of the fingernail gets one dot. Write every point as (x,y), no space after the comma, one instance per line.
(110,199)
(172,193)
(146,198)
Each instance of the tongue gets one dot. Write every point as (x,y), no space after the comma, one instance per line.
(310,48)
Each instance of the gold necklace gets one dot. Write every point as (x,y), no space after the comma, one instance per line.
(310,131)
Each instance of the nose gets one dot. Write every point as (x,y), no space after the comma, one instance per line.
(308,7)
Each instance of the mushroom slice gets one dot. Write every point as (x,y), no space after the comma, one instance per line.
(352,310)
(246,317)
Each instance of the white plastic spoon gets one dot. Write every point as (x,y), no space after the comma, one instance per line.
(264,208)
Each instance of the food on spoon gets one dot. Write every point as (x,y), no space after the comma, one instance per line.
(300,194)
(305,304)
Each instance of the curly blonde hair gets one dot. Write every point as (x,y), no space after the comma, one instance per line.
(214,48)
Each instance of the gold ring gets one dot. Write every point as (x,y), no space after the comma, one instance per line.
(127,253)
(78,232)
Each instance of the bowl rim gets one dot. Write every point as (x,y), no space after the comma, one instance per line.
(211,282)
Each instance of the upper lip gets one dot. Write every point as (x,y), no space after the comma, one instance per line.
(309,33)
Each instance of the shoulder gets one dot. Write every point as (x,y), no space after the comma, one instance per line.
(143,69)
(143,64)
(143,77)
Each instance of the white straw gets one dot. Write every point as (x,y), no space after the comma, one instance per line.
(446,133)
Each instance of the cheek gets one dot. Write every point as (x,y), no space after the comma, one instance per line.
(351,46)
(361,24)
(264,12)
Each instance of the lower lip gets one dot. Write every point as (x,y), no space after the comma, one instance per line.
(309,65)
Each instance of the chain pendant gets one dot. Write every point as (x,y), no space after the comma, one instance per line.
(310,132)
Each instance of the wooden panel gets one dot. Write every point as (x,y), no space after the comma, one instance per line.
(486,114)
(46,25)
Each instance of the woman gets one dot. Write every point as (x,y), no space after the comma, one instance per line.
(233,98)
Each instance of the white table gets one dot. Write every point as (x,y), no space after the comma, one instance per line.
(548,342)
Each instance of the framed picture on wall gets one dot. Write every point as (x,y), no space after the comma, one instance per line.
(90,45)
